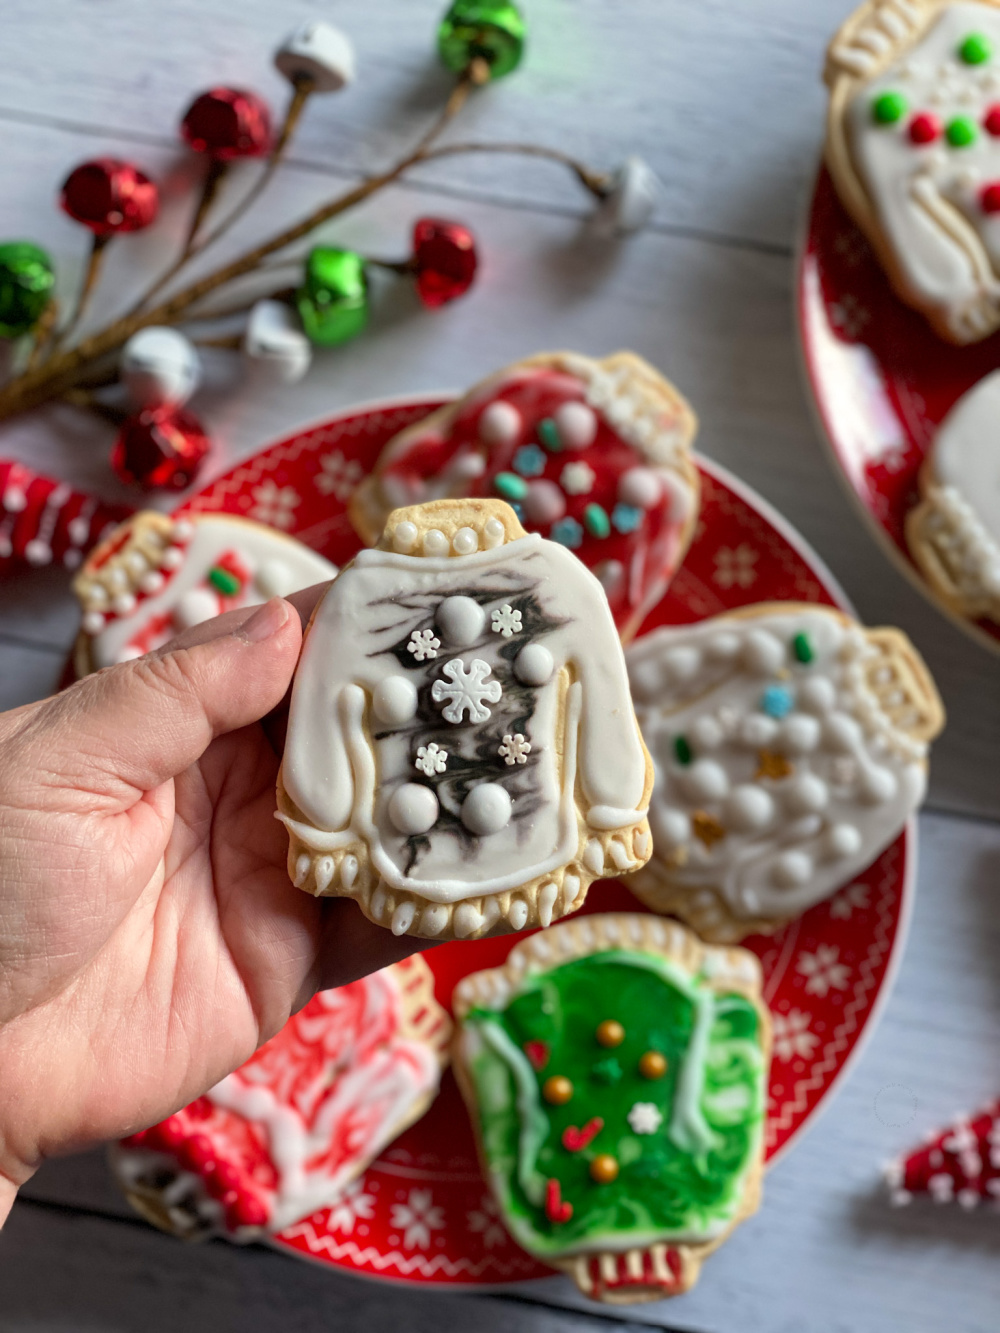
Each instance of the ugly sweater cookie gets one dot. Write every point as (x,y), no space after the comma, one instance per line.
(155,576)
(790,748)
(616,1072)
(954,532)
(462,755)
(594,455)
(913,146)
(288,1132)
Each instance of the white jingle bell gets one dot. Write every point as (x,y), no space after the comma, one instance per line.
(319,52)
(159,367)
(630,200)
(274,345)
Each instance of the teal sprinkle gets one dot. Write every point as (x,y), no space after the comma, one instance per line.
(510,486)
(567,532)
(596,521)
(530,460)
(777,701)
(626,518)
(548,433)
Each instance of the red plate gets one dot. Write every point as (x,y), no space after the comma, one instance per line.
(881,378)
(422,1212)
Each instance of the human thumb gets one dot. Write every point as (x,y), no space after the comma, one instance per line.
(130,728)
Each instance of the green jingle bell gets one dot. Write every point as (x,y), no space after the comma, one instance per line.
(26,279)
(488,30)
(333,298)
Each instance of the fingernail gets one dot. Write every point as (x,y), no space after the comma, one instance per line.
(264,622)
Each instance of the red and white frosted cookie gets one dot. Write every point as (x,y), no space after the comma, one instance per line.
(288,1132)
(592,454)
(960,1164)
(155,576)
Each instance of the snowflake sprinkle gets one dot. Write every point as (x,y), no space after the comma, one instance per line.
(515,749)
(431,759)
(423,644)
(645,1118)
(470,690)
(506,621)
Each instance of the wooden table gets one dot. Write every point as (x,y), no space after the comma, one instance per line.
(724,100)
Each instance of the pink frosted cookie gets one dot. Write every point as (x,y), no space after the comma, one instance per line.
(594,455)
(155,576)
(286,1133)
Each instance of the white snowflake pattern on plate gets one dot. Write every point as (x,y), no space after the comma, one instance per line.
(417,1218)
(338,476)
(485,1221)
(792,1037)
(823,970)
(735,566)
(354,1205)
(274,505)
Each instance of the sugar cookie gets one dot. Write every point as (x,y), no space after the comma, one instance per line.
(913,146)
(790,747)
(616,1073)
(592,454)
(462,755)
(288,1132)
(156,575)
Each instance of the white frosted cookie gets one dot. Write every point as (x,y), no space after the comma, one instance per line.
(913,146)
(289,1131)
(790,747)
(954,532)
(462,755)
(155,576)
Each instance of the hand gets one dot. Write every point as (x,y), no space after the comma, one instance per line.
(150,938)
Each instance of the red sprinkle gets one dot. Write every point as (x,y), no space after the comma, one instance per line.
(555,1209)
(991,121)
(246,1210)
(198,1153)
(168,1134)
(925,127)
(990,198)
(574,1140)
(224,1178)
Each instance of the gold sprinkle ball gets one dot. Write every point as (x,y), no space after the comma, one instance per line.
(652,1064)
(610,1033)
(557,1090)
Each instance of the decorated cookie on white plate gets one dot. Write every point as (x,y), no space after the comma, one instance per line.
(155,576)
(594,455)
(462,757)
(913,146)
(790,748)
(954,532)
(288,1132)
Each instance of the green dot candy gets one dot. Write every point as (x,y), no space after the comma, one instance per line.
(961,132)
(26,281)
(682,750)
(548,433)
(888,108)
(976,49)
(333,298)
(510,486)
(596,521)
(802,648)
(488,30)
(223,581)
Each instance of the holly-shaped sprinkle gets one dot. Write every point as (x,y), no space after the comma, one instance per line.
(925,127)
(223,581)
(802,648)
(976,49)
(777,701)
(888,108)
(548,433)
(596,521)
(510,486)
(529,461)
(961,132)
(682,750)
(607,1071)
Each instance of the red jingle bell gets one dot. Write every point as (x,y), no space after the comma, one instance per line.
(110,196)
(444,260)
(228,123)
(161,447)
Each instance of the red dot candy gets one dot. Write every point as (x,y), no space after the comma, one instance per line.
(224,1179)
(228,123)
(246,1210)
(138,1140)
(991,121)
(109,196)
(200,1108)
(989,198)
(161,447)
(444,260)
(198,1153)
(168,1135)
(925,127)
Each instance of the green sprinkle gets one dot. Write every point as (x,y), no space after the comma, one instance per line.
(221,579)
(596,521)
(802,648)
(961,132)
(548,433)
(887,108)
(607,1071)
(510,486)
(682,749)
(976,49)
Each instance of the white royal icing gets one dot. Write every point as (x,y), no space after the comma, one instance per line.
(501,807)
(927,196)
(276,565)
(771,846)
